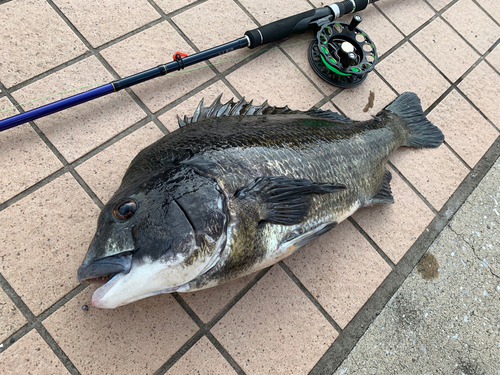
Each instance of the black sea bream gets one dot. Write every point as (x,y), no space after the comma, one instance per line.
(238,188)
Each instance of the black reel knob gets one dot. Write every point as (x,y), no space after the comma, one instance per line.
(342,54)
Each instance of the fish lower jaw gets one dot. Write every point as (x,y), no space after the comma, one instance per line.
(99,294)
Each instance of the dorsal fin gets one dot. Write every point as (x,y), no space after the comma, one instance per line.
(239,108)
(327,114)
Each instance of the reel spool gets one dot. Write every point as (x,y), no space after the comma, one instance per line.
(342,54)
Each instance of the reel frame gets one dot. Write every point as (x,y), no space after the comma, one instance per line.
(342,54)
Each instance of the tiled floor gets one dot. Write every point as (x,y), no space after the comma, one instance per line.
(56,173)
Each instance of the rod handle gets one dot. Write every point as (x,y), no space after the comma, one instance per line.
(286,27)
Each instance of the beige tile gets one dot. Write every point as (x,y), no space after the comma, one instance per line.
(492,7)
(278,81)
(407,15)
(266,12)
(494,58)
(406,70)
(341,270)
(395,227)
(297,48)
(221,28)
(29,51)
(151,48)
(97,20)
(445,49)
(439,4)
(353,102)
(187,108)
(202,359)
(474,25)
(44,237)
(80,129)
(265,331)
(481,86)
(11,319)
(104,171)
(435,172)
(206,303)
(24,158)
(465,130)
(31,355)
(169,6)
(134,339)
(378,28)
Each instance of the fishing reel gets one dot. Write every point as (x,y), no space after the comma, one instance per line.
(342,54)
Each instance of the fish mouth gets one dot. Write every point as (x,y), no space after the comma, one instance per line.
(104,270)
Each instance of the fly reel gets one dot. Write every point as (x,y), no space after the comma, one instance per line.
(342,54)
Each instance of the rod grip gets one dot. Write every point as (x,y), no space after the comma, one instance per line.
(286,27)
(349,6)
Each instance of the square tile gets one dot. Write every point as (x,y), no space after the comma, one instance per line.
(266,12)
(264,331)
(151,48)
(494,58)
(97,20)
(44,237)
(273,77)
(481,86)
(474,25)
(366,100)
(341,270)
(223,27)
(406,70)
(465,130)
(435,172)
(407,15)
(31,355)
(80,129)
(187,108)
(395,227)
(133,339)
(169,6)
(104,171)
(444,47)
(378,29)
(29,51)
(206,303)
(24,158)
(202,359)
(492,7)
(11,319)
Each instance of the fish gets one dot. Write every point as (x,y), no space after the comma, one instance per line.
(238,188)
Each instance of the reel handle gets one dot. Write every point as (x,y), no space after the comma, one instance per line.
(299,23)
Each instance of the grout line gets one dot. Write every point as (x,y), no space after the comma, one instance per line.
(42,331)
(224,353)
(372,242)
(250,15)
(487,13)
(429,205)
(311,298)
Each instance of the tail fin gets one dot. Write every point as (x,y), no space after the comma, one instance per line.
(422,133)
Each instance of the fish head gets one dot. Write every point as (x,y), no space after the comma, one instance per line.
(155,236)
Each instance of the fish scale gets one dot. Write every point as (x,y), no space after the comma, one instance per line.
(239,187)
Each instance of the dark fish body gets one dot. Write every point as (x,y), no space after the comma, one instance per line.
(226,195)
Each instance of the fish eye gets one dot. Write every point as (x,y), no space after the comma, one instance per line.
(125,209)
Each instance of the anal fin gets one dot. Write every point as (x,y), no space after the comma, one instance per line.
(295,242)
(384,196)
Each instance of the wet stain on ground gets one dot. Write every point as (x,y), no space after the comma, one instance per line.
(371,100)
(428,267)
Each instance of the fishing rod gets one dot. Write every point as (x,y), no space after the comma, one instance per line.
(341,54)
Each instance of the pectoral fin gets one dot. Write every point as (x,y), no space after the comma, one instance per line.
(283,200)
